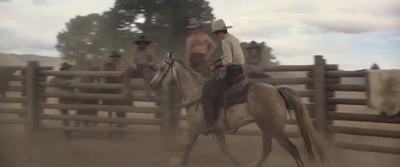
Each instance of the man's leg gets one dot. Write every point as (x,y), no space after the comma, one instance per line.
(205,72)
(147,75)
(209,99)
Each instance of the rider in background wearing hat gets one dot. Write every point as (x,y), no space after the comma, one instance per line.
(141,63)
(115,60)
(232,59)
(254,61)
(197,48)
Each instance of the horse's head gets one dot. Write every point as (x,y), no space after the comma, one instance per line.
(164,74)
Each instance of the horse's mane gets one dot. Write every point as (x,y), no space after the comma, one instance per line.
(189,69)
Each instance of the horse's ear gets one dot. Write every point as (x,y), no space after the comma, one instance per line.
(169,56)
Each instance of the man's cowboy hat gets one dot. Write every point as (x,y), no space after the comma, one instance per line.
(115,54)
(194,23)
(65,65)
(219,25)
(253,44)
(142,39)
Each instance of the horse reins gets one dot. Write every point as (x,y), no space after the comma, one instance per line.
(170,65)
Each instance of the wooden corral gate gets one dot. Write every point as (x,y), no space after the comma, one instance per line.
(319,83)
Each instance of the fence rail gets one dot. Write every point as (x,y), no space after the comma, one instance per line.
(100,119)
(363,118)
(346,87)
(128,109)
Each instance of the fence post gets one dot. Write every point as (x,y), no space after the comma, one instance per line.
(166,128)
(167,111)
(32,95)
(319,97)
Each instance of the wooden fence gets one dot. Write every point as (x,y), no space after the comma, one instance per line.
(320,81)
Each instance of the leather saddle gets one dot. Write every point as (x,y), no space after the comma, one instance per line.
(236,94)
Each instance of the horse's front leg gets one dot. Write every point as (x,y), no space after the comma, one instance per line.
(193,135)
(219,134)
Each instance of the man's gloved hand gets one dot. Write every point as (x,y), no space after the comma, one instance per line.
(212,67)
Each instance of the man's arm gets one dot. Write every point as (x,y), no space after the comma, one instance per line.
(213,46)
(188,49)
(227,56)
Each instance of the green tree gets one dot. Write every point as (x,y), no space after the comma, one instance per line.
(94,36)
(77,40)
(165,21)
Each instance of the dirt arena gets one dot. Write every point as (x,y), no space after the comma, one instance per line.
(51,149)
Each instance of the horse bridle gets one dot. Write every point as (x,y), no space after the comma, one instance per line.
(170,65)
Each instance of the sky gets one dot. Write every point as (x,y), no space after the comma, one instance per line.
(353,33)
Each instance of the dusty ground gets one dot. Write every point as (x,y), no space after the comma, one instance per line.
(51,149)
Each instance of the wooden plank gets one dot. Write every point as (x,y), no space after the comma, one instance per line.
(320,97)
(24,67)
(101,119)
(13,110)
(346,101)
(100,129)
(288,121)
(93,86)
(309,106)
(363,118)
(97,96)
(16,88)
(283,81)
(13,99)
(130,109)
(282,68)
(18,78)
(364,131)
(346,87)
(82,73)
(331,107)
(32,95)
(346,73)
(293,81)
(23,78)
(167,115)
(80,96)
(258,133)
(12,121)
(312,94)
(311,86)
(251,133)
(147,99)
(370,148)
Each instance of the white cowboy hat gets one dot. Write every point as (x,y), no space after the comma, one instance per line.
(194,23)
(219,25)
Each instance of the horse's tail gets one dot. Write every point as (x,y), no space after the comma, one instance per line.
(295,105)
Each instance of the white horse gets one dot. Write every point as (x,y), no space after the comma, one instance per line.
(266,105)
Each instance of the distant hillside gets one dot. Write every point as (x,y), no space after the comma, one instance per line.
(10,60)
(43,60)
